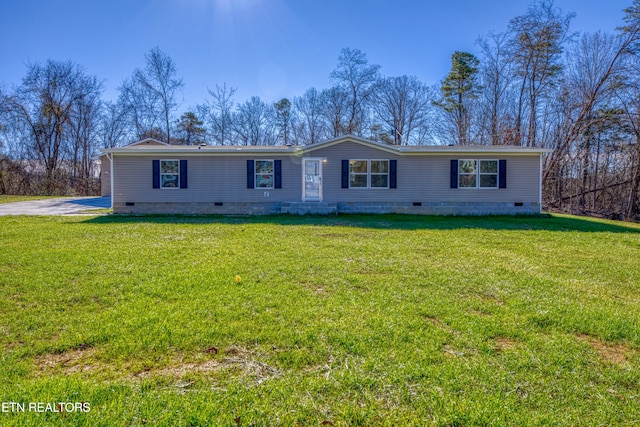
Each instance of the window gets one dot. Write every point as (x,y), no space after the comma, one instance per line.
(477,173)
(467,170)
(264,174)
(371,174)
(380,173)
(488,174)
(358,173)
(368,173)
(169,174)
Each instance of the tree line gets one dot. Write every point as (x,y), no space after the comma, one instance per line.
(537,84)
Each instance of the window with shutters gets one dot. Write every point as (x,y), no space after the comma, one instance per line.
(264,170)
(169,174)
(474,173)
(368,173)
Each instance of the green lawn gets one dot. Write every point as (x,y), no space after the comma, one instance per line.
(348,320)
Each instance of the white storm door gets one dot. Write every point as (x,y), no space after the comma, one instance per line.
(312,180)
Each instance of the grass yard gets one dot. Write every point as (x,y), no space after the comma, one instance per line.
(348,320)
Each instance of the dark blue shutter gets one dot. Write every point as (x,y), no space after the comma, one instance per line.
(183,174)
(393,168)
(502,174)
(250,174)
(156,174)
(454,174)
(277,170)
(345,174)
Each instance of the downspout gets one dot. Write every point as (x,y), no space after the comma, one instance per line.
(539,185)
(110,157)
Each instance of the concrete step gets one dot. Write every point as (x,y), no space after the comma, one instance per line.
(309,208)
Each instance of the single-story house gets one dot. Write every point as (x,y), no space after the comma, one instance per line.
(347,174)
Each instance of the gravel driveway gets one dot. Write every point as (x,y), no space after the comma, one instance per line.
(57,206)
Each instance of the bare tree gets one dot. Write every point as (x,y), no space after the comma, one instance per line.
(309,108)
(84,130)
(537,40)
(335,110)
(402,104)
(253,123)
(42,111)
(356,77)
(601,70)
(495,76)
(631,32)
(218,114)
(140,112)
(149,96)
(113,130)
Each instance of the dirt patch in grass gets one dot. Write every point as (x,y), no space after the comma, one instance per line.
(316,288)
(440,324)
(234,359)
(486,297)
(180,370)
(506,343)
(245,360)
(492,299)
(68,362)
(613,353)
(479,312)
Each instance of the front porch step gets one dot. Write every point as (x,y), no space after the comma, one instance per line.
(309,208)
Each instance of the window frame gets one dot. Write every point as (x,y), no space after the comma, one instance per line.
(496,174)
(478,174)
(369,174)
(387,174)
(176,174)
(474,173)
(256,174)
(366,174)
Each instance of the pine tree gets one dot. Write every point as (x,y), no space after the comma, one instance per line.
(458,89)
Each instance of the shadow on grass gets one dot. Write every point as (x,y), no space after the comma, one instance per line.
(393,221)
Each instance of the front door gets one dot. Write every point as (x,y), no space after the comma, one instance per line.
(312,180)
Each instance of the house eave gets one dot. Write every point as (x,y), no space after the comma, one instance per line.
(140,149)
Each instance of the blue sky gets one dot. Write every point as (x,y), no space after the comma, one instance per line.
(269,48)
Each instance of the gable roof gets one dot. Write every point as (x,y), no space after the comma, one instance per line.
(351,138)
(147,141)
(152,146)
